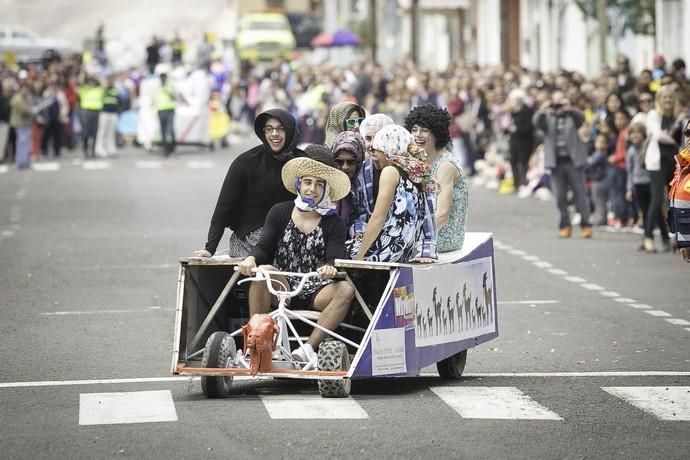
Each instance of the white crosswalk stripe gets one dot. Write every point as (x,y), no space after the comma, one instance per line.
(664,403)
(149,164)
(493,403)
(199,164)
(44,167)
(125,407)
(312,407)
(4,169)
(96,165)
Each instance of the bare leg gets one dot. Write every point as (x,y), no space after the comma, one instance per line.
(260,300)
(333,302)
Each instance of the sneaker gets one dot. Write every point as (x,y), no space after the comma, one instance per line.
(587,232)
(305,354)
(564,232)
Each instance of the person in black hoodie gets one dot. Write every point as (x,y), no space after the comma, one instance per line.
(253,184)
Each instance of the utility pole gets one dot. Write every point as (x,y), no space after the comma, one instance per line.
(373,30)
(603,29)
(414,8)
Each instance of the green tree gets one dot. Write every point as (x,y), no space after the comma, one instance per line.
(638,15)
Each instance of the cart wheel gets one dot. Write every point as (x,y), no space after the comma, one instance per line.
(219,352)
(333,356)
(452,367)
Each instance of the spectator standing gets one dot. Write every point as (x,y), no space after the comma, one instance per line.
(55,115)
(153,56)
(4,120)
(107,121)
(21,118)
(521,142)
(618,172)
(637,184)
(91,104)
(164,100)
(597,172)
(566,158)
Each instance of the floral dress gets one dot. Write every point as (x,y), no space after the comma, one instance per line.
(302,252)
(452,236)
(398,238)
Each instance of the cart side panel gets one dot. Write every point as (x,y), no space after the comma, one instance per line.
(414,329)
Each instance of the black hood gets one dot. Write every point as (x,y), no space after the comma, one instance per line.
(292,134)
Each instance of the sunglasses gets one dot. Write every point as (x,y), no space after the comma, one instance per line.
(352,122)
(340,162)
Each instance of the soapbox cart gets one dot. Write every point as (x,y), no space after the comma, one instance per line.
(404,317)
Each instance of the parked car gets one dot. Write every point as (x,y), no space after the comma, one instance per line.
(264,36)
(29,47)
(305,26)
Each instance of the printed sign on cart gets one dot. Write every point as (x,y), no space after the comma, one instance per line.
(454,302)
(388,351)
(403,300)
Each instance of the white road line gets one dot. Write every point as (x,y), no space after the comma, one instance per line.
(543,264)
(148,164)
(106,312)
(592,287)
(687,329)
(641,306)
(625,300)
(517,252)
(126,267)
(7,233)
(44,167)
(527,302)
(493,403)
(198,164)
(312,407)
(657,313)
(678,321)
(96,164)
(575,279)
(665,403)
(557,271)
(126,407)
(609,294)
(529,258)
(4,169)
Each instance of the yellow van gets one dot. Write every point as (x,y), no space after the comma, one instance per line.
(265,36)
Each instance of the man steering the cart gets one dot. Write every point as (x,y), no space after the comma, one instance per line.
(305,235)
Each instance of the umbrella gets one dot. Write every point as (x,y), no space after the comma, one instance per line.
(340,37)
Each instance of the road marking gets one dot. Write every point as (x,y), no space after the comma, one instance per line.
(126,407)
(96,164)
(312,407)
(625,300)
(106,312)
(657,313)
(4,169)
(575,279)
(43,167)
(126,267)
(641,306)
(529,258)
(543,264)
(7,233)
(592,287)
(149,164)
(678,321)
(664,403)
(493,403)
(528,302)
(557,271)
(609,294)
(517,252)
(198,164)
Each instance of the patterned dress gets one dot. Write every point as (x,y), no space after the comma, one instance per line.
(302,252)
(452,236)
(398,238)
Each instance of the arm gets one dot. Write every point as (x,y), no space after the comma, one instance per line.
(334,234)
(274,226)
(447,176)
(539,120)
(226,207)
(577,116)
(629,163)
(390,177)
(426,245)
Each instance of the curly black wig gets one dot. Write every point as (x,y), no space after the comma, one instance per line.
(433,118)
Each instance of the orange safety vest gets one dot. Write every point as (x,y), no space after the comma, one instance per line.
(679,200)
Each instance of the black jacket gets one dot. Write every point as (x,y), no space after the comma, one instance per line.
(253,183)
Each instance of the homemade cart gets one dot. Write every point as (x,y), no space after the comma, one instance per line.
(404,317)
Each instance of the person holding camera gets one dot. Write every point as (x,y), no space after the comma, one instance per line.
(565,156)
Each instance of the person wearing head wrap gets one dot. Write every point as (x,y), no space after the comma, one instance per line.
(397,231)
(302,236)
(371,125)
(344,116)
(253,184)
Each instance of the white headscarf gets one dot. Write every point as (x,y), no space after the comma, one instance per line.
(324,206)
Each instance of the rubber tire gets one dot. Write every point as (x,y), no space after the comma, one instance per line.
(220,347)
(453,366)
(333,356)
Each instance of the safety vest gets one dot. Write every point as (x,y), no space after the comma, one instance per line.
(110,97)
(679,200)
(91,97)
(164,99)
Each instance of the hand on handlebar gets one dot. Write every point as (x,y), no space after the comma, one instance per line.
(327,272)
(247,265)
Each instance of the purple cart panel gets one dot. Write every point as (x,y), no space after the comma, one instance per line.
(431,312)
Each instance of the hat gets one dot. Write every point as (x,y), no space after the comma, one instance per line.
(338,182)
(373,123)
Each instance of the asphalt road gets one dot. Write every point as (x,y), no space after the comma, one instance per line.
(592,349)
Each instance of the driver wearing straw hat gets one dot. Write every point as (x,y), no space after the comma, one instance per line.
(305,235)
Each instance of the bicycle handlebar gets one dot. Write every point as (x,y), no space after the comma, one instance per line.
(265,275)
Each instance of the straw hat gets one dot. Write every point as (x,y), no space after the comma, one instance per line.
(337,180)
